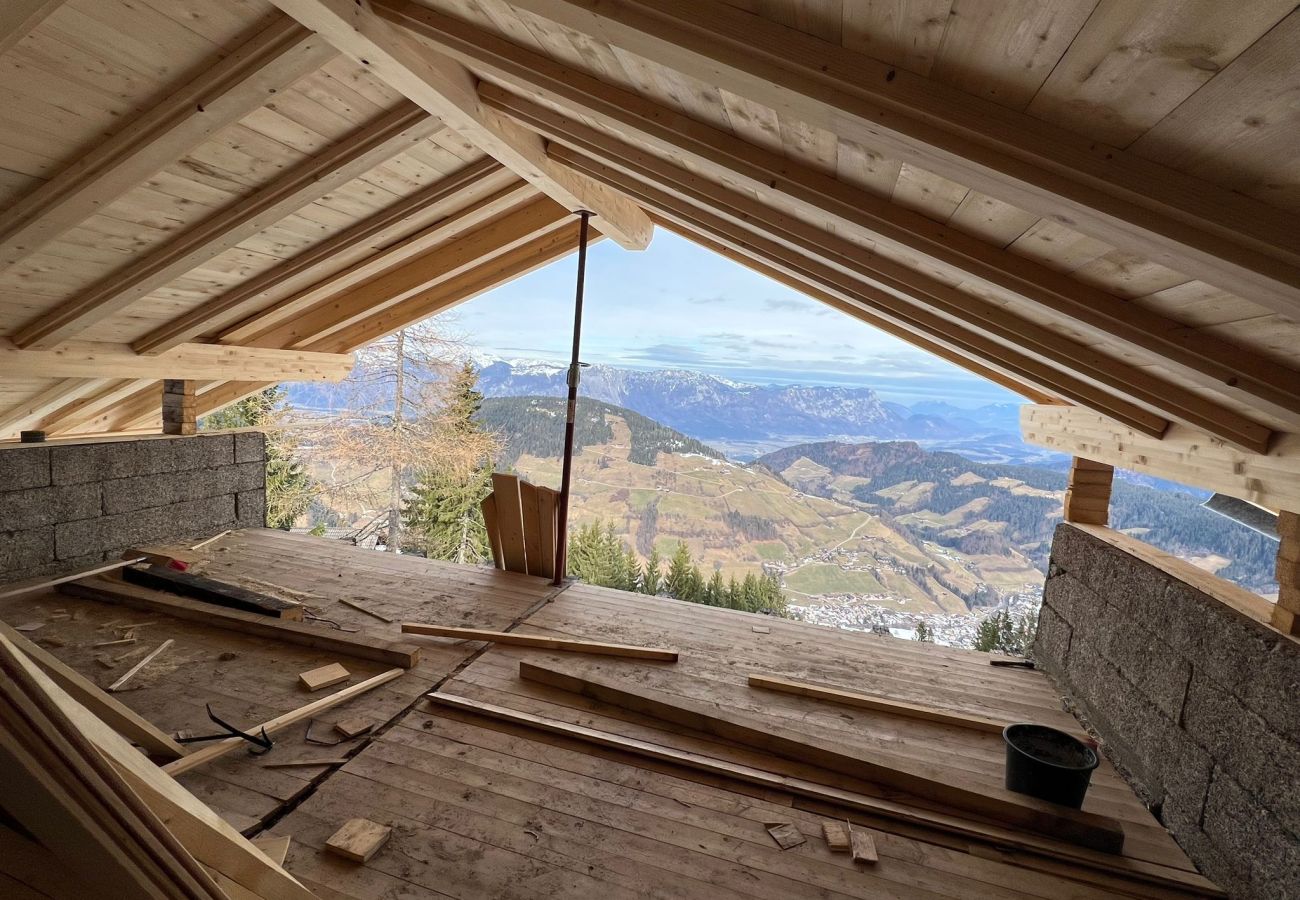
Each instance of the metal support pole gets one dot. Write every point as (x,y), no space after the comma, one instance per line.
(571,413)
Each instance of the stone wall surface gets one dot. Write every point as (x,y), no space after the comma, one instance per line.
(1197,702)
(69,505)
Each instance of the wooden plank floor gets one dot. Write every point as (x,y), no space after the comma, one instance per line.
(480,808)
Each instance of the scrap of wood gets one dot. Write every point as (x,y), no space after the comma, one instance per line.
(29,627)
(351,728)
(358,839)
(864,847)
(39,584)
(208,590)
(760,629)
(370,612)
(300,763)
(924,781)
(877,704)
(323,677)
(389,652)
(837,836)
(540,642)
(785,834)
(220,748)
(275,847)
(121,682)
(212,540)
(116,643)
(1041,852)
(117,715)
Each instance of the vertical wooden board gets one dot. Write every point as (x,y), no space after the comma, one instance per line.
(489,507)
(547,501)
(528,502)
(510,521)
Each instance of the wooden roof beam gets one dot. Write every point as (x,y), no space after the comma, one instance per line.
(19,18)
(375,231)
(219,95)
(22,416)
(1187,224)
(369,146)
(1184,455)
(448,90)
(451,246)
(1166,398)
(87,359)
(1208,360)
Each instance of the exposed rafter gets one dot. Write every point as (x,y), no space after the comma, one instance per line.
(1166,398)
(377,230)
(393,133)
(218,96)
(18,18)
(448,90)
(1210,361)
(1209,233)
(87,359)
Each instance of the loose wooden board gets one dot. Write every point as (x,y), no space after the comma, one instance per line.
(540,642)
(323,677)
(358,839)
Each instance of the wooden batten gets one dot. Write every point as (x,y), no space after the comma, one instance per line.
(1286,614)
(1087,496)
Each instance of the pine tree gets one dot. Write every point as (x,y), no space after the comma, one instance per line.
(289,489)
(716,593)
(652,579)
(734,598)
(680,569)
(443,514)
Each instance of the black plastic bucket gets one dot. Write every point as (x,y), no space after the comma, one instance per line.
(1048,764)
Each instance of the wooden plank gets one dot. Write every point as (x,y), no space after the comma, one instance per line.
(837,836)
(878,704)
(275,847)
(1214,363)
(323,677)
(863,847)
(238,302)
(374,143)
(390,652)
(218,593)
(547,526)
(92,359)
(529,507)
(18,18)
(447,90)
(1181,222)
(510,521)
(117,715)
(358,839)
(926,782)
(135,670)
(1286,612)
(201,831)
(221,748)
(567,645)
(1184,454)
(31,585)
(489,508)
(991,835)
(219,95)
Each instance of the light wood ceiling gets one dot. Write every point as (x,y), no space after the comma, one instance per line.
(1094,203)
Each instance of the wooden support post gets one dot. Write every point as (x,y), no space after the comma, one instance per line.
(1286,614)
(178,407)
(1087,497)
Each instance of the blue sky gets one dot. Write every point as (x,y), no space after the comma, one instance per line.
(677,305)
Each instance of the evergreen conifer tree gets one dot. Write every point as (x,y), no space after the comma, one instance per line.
(680,570)
(652,579)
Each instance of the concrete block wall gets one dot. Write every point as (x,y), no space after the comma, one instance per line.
(1197,701)
(64,505)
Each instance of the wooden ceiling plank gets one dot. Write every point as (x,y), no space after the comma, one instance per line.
(447,89)
(25,413)
(992,320)
(382,277)
(1210,361)
(74,415)
(237,303)
(907,317)
(220,95)
(89,359)
(19,18)
(1184,455)
(1179,221)
(339,164)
